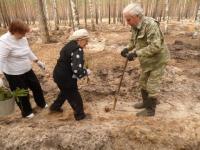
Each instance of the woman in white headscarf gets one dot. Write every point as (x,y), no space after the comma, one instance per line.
(69,68)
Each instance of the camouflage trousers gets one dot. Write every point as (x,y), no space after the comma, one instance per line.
(151,80)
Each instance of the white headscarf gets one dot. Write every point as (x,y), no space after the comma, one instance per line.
(79,34)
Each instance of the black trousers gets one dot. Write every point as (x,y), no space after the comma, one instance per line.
(25,81)
(74,98)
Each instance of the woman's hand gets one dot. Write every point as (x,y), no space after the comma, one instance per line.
(40,64)
(89,71)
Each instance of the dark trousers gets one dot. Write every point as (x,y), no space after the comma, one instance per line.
(25,81)
(74,98)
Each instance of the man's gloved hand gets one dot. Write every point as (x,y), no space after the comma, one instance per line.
(89,71)
(41,65)
(124,52)
(132,56)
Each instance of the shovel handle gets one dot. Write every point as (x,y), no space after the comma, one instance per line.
(88,79)
(120,83)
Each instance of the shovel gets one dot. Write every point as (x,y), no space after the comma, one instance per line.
(120,83)
(107,109)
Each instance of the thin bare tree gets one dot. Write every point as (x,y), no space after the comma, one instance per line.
(100,10)
(71,22)
(47,13)
(147,8)
(85,13)
(167,16)
(75,15)
(156,9)
(55,15)
(42,22)
(109,11)
(114,11)
(4,13)
(96,12)
(197,30)
(197,9)
(92,14)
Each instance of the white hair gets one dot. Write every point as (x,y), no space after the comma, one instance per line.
(133,9)
(79,34)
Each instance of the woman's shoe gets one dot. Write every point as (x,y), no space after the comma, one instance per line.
(30,115)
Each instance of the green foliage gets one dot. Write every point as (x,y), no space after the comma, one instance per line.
(6,94)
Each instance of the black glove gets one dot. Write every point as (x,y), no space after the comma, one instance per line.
(124,52)
(131,56)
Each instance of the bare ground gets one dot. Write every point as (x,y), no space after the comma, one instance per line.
(175,126)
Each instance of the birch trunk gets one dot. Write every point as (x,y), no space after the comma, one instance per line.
(55,15)
(85,12)
(109,11)
(4,13)
(46,10)
(96,12)
(155,10)
(197,26)
(100,10)
(71,22)
(75,15)
(92,14)
(114,11)
(43,22)
(166,16)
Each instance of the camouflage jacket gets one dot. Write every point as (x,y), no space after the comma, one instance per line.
(148,42)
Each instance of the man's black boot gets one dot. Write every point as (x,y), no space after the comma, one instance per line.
(150,108)
(141,105)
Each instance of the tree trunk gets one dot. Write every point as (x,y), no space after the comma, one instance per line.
(160,15)
(196,14)
(147,8)
(85,12)
(100,10)
(183,16)
(96,12)
(114,11)
(75,15)
(26,11)
(197,26)
(71,22)
(46,10)
(55,14)
(32,11)
(4,13)
(198,18)
(187,11)
(92,14)
(155,10)
(109,11)
(64,15)
(166,16)
(180,11)
(47,13)
(43,22)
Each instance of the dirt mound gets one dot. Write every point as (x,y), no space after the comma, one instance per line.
(184,50)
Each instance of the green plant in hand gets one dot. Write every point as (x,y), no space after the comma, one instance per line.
(6,94)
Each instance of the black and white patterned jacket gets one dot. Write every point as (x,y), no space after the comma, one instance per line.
(71,62)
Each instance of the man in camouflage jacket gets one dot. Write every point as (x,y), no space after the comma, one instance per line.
(147,43)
